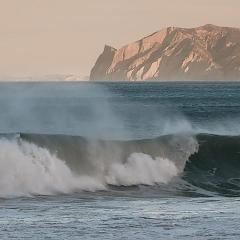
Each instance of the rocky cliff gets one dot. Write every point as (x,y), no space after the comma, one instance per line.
(203,53)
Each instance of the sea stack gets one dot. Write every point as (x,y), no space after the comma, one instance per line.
(208,52)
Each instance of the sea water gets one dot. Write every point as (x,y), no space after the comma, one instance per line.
(120,160)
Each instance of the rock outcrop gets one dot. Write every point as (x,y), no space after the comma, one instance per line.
(204,53)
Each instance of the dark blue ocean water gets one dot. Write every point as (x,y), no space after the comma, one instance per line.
(143,196)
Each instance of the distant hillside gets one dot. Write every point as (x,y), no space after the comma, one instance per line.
(203,53)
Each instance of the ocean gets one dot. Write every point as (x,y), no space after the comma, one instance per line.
(83,160)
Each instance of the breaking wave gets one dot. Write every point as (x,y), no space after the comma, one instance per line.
(35,164)
(26,169)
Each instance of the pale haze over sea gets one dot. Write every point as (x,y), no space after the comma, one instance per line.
(42,37)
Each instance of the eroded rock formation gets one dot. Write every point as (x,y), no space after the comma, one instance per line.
(204,53)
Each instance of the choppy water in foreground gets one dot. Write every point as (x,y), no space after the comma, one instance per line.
(119,160)
(111,217)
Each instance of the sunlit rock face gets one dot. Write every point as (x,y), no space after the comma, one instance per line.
(203,53)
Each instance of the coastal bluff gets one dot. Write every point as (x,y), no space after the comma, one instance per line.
(208,52)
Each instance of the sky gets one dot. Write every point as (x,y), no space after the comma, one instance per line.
(40,37)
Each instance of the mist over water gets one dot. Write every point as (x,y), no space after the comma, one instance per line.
(81,110)
(116,111)
(85,110)
(50,108)
(125,135)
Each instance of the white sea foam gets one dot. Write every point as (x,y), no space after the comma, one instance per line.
(27,169)
(141,169)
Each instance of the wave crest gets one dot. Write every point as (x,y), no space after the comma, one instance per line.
(26,169)
(141,168)
(45,165)
(49,164)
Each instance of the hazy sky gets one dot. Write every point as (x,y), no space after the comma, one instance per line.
(40,37)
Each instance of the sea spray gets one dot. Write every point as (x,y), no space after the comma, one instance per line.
(141,169)
(52,164)
(27,169)
(46,165)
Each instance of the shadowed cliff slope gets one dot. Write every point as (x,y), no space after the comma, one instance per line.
(203,53)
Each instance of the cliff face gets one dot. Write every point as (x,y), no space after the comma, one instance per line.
(204,53)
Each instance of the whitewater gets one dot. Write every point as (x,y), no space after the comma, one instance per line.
(106,156)
(28,169)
